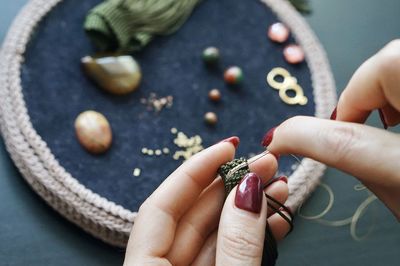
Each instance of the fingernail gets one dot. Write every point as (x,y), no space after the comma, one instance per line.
(333,115)
(249,193)
(281,178)
(267,139)
(382,117)
(234,140)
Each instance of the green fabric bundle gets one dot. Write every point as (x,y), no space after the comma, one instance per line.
(129,25)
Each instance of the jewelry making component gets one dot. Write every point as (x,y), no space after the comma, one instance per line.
(211,55)
(188,145)
(211,118)
(116,74)
(278,32)
(93,132)
(214,95)
(233,75)
(232,172)
(293,54)
(136,172)
(157,104)
(287,84)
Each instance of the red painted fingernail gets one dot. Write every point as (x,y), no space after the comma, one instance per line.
(382,117)
(234,140)
(267,139)
(249,193)
(281,178)
(333,115)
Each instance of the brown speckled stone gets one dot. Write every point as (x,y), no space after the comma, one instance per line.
(93,132)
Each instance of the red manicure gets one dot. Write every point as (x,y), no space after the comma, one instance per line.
(382,117)
(281,178)
(249,193)
(234,140)
(333,115)
(267,139)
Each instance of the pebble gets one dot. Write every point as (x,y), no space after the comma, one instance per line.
(115,74)
(93,131)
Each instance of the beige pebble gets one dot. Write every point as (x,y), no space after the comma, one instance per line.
(93,131)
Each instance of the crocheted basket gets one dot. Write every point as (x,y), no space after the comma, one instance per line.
(85,189)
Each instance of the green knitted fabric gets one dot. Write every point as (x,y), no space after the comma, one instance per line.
(129,25)
(231,182)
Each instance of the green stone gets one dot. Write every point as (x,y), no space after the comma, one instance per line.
(211,55)
(115,74)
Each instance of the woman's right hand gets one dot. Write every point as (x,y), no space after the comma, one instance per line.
(370,154)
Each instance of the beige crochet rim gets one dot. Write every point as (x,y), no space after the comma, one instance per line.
(93,213)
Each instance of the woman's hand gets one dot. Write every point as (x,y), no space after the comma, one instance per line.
(181,222)
(370,154)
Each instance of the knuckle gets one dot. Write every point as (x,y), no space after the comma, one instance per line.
(341,141)
(389,56)
(240,244)
(294,122)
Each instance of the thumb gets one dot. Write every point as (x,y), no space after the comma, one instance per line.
(242,225)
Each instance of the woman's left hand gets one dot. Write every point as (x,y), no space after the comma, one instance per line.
(181,222)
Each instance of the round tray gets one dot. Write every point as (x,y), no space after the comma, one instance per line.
(43,89)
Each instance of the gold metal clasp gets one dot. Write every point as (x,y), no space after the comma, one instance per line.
(288,83)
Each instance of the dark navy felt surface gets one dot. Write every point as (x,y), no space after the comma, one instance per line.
(56,91)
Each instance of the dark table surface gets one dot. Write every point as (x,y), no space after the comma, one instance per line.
(31,233)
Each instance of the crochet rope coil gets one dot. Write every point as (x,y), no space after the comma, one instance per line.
(95,214)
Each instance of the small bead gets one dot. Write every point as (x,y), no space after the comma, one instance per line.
(165,150)
(293,54)
(93,132)
(211,55)
(214,95)
(174,130)
(233,75)
(158,152)
(278,32)
(150,152)
(136,172)
(211,118)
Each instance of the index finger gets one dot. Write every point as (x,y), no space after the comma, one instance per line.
(154,228)
(374,85)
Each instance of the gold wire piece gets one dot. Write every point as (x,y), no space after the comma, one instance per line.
(288,83)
